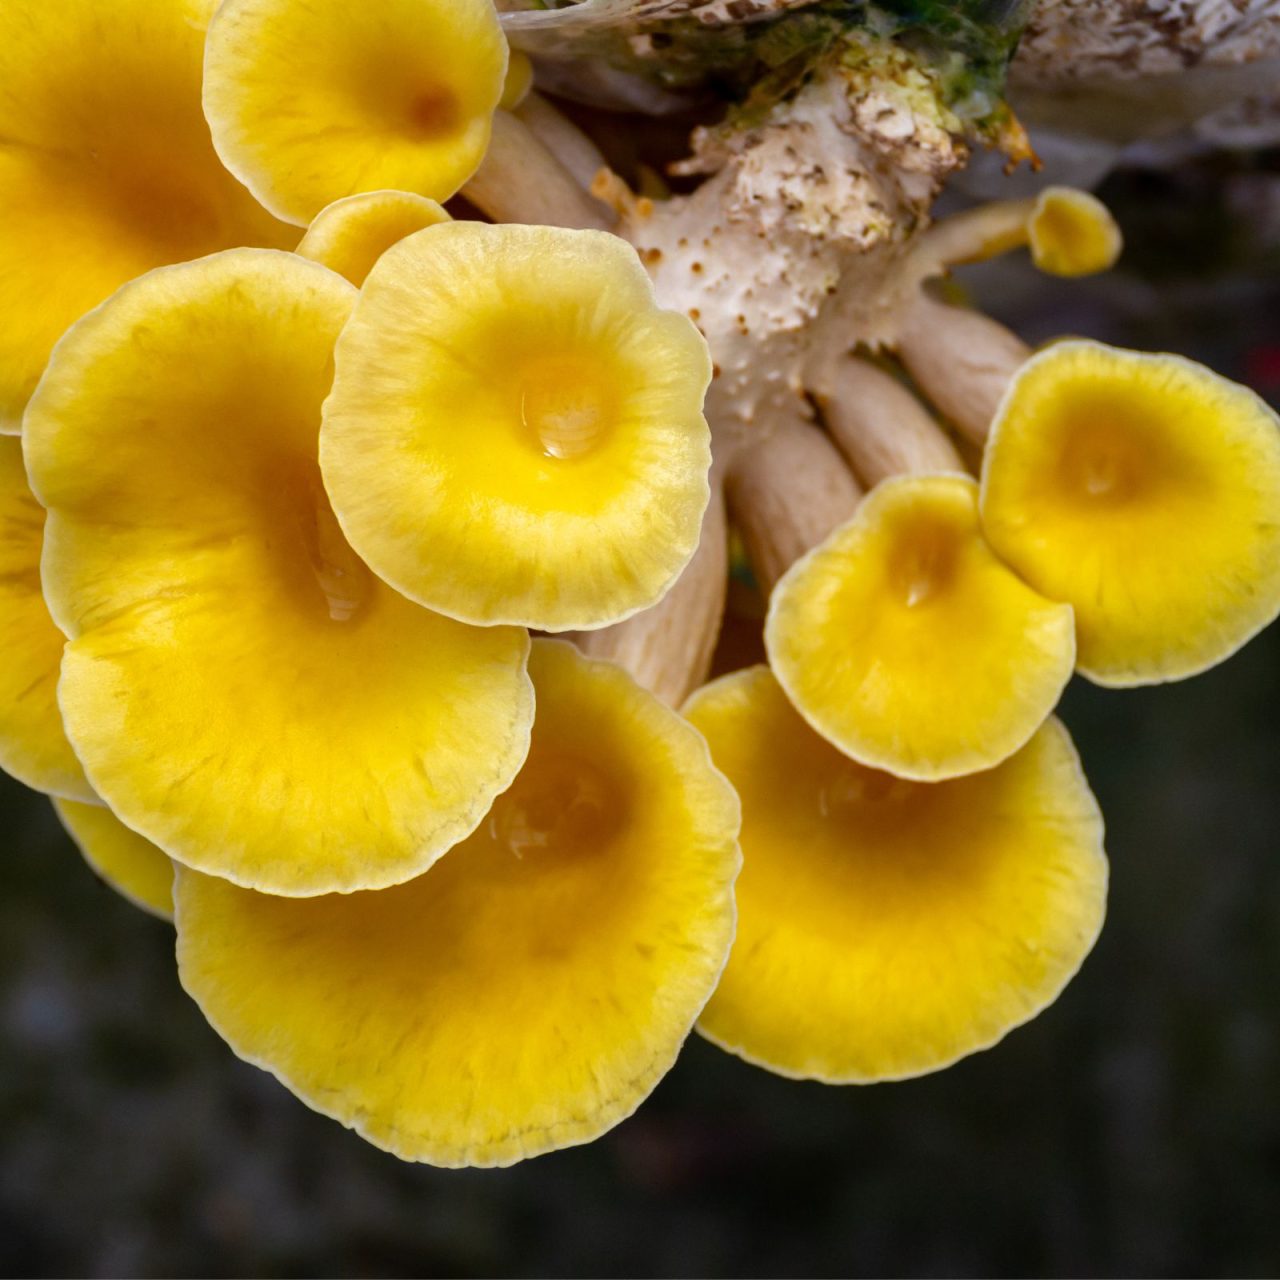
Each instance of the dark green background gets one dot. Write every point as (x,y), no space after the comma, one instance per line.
(1134,1128)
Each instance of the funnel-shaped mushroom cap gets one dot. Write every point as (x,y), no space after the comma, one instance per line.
(33,746)
(130,864)
(515,432)
(886,927)
(313,100)
(106,167)
(1072,233)
(353,233)
(1145,491)
(239,687)
(907,644)
(530,990)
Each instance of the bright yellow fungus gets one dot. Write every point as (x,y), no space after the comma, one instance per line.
(1072,233)
(530,990)
(106,166)
(904,641)
(33,747)
(519,81)
(239,687)
(313,100)
(887,928)
(353,233)
(130,864)
(1145,491)
(515,432)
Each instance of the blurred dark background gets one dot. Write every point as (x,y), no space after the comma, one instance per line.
(1132,1129)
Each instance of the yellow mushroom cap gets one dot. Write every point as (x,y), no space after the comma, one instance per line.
(33,747)
(106,166)
(128,862)
(905,642)
(351,234)
(530,990)
(1072,233)
(312,100)
(240,688)
(515,432)
(1145,491)
(887,928)
(519,81)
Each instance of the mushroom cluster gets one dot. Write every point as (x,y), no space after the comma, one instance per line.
(304,461)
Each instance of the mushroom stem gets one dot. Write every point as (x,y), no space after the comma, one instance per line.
(880,427)
(575,151)
(786,494)
(668,648)
(521,180)
(976,234)
(962,360)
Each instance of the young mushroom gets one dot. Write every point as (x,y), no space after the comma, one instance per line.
(1144,490)
(313,100)
(126,861)
(33,747)
(905,642)
(887,928)
(515,431)
(106,165)
(529,991)
(351,234)
(239,687)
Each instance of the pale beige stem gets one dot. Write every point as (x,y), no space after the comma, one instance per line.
(786,494)
(975,235)
(563,139)
(880,427)
(668,648)
(962,360)
(521,180)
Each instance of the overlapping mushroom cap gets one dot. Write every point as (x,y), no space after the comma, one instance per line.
(239,687)
(33,746)
(351,234)
(515,432)
(313,100)
(128,862)
(904,641)
(1072,233)
(886,927)
(106,166)
(1145,491)
(529,991)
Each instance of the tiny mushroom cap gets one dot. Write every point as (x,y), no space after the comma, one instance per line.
(887,928)
(1144,490)
(519,82)
(351,234)
(239,687)
(106,166)
(515,432)
(312,100)
(1072,233)
(906,643)
(33,747)
(128,862)
(529,991)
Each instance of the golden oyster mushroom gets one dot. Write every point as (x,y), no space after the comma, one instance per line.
(128,862)
(240,688)
(529,991)
(351,234)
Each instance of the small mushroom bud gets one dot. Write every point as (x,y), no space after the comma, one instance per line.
(351,234)
(1143,490)
(532,988)
(887,928)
